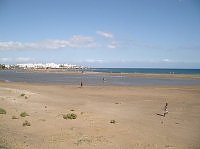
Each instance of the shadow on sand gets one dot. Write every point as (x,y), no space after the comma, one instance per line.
(160,114)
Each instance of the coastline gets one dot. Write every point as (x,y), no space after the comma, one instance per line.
(99,79)
(132,75)
(134,109)
(150,75)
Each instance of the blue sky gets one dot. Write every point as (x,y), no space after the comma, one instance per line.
(101,33)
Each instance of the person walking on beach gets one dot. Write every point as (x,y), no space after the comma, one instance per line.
(165,109)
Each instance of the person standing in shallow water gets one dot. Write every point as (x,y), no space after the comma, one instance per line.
(165,109)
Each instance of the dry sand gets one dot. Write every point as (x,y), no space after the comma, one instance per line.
(134,109)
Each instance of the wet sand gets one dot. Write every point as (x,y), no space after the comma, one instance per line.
(134,75)
(137,112)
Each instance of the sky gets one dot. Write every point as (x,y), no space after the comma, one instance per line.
(101,33)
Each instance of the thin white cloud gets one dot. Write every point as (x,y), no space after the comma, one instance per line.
(105,34)
(82,41)
(94,61)
(18,59)
(23,59)
(113,45)
(76,41)
(5,59)
(166,60)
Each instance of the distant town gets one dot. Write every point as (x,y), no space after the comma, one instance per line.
(41,66)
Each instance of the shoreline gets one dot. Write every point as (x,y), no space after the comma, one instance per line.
(150,75)
(95,86)
(131,75)
(2,82)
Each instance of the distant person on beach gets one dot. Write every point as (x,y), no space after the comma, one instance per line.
(165,109)
(81,84)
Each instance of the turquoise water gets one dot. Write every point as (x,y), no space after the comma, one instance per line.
(147,70)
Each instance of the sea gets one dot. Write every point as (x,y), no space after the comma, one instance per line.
(147,70)
(95,79)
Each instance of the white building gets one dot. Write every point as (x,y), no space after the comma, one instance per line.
(47,65)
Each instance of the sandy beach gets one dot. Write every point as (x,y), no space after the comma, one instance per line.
(107,116)
(100,74)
